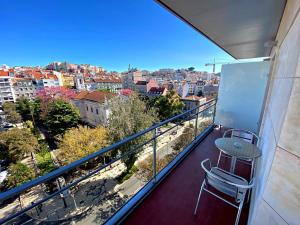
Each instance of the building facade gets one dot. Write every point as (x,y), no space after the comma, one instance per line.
(23,87)
(94,107)
(6,87)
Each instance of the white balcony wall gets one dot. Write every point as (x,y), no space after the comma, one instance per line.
(241,95)
(276,199)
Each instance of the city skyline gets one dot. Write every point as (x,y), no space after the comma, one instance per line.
(112,35)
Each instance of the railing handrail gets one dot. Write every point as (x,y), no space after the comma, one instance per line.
(56,173)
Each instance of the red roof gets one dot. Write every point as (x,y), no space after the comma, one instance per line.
(95,96)
(156,89)
(107,79)
(4,73)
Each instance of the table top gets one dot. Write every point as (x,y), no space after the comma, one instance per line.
(237,147)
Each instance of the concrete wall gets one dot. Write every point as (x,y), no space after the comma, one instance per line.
(276,199)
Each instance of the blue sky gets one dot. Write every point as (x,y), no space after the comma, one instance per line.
(108,33)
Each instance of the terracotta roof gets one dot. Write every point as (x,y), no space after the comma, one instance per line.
(107,79)
(95,96)
(81,95)
(4,73)
(156,89)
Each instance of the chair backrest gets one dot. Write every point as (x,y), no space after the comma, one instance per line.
(228,183)
(243,134)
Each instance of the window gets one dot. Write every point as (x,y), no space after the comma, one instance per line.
(97,111)
(87,108)
(92,109)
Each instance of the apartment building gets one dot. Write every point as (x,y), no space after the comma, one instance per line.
(6,87)
(130,78)
(24,87)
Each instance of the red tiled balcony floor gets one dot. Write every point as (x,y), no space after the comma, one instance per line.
(173,201)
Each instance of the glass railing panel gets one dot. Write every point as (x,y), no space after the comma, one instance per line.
(92,189)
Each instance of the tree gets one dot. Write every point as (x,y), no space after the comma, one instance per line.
(129,116)
(23,106)
(44,161)
(50,93)
(191,69)
(12,116)
(29,109)
(169,105)
(8,107)
(17,143)
(18,174)
(184,139)
(79,142)
(61,115)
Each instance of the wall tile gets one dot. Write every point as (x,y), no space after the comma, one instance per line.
(268,146)
(266,215)
(282,192)
(289,14)
(264,163)
(278,104)
(289,137)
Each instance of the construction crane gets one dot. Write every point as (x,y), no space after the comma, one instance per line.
(214,64)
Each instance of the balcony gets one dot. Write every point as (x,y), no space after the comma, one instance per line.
(95,196)
(174,200)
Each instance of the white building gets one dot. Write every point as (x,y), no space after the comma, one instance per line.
(93,106)
(6,87)
(23,87)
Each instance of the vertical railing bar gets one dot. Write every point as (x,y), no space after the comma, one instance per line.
(196,124)
(154,155)
(215,107)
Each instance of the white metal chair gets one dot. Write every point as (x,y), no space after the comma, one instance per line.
(227,183)
(246,136)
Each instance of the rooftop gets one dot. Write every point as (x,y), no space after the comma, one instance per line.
(95,96)
(4,73)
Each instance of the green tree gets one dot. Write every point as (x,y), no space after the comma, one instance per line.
(184,139)
(44,162)
(79,142)
(24,107)
(12,116)
(169,105)
(191,69)
(8,107)
(17,143)
(29,110)
(61,115)
(129,116)
(18,174)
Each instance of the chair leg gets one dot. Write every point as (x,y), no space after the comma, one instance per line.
(198,200)
(251,176)
(220,154)
(239,213)
(252,169)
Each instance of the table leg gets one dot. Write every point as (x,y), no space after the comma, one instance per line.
(232,165)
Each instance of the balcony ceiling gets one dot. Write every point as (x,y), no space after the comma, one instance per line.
(242,28)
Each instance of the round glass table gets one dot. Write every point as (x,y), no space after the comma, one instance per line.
(237,148)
